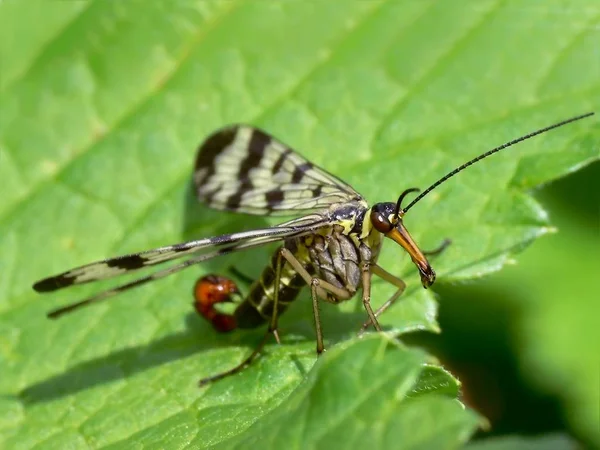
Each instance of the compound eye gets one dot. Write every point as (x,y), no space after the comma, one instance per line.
(381,222)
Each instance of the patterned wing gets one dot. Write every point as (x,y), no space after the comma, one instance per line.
(120,265)
(226,244)
(243,169)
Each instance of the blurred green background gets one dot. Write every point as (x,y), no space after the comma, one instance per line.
(524,341)
(102,104)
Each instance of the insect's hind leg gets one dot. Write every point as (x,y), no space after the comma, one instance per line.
(319,288)
(208,291)
(241,366)
(215,282)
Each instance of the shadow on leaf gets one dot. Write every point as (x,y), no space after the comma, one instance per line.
(197,337)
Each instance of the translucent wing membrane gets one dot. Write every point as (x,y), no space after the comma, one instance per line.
(120,265)
(243,169)
(226,245)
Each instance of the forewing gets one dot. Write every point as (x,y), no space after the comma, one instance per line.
(243,169)
(305,225)
(120,265)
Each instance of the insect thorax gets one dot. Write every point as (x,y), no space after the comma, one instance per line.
(333,254)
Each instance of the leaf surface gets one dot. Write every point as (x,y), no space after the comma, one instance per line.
(103,105)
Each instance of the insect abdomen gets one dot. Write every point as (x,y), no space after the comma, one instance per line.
(257,307)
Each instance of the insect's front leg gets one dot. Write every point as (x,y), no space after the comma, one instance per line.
(392,279)
(436,251)
(401,285)
(365,267)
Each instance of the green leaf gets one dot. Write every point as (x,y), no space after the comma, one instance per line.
(548,442)
(102,107)
(354,381)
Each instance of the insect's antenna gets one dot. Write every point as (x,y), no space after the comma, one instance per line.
(491,152)
(399,202)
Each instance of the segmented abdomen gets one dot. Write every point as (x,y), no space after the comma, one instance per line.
(257,307)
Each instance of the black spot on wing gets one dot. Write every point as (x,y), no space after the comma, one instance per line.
(130,262)
(256,150)
(274,198)
(209,195)
(180,248)
(53,283)
(299,171)
(211,148)
(235,199)
(254,155)
(279,163)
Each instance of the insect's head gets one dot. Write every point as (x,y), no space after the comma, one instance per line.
(387,219)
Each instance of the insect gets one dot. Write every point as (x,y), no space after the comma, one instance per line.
(332,247)
(210,290)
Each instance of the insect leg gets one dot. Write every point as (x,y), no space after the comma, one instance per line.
(272,329)
(314,286)
(365,268)
(319,289)
(339,294)
(275,317)
(392,279)
(323,287)
(436,251)
(239,274)
(241,366)
(401,285)
(283,256)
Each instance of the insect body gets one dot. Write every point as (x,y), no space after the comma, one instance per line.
(332,248)
(210,290)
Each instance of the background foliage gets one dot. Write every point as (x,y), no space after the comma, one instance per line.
(102,107)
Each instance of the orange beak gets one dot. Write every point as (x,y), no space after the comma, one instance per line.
(400,235)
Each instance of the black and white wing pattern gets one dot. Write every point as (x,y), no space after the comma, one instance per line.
(223,244)
(243,169)
(208,248)
(238,168)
